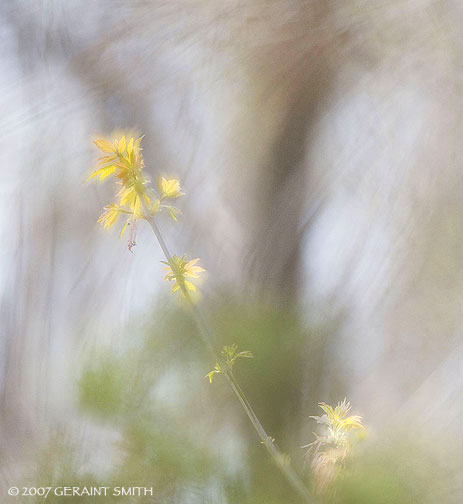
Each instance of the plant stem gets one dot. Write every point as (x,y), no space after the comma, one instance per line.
(208,337)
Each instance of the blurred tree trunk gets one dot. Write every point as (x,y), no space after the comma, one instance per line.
(291,79)
(282,193)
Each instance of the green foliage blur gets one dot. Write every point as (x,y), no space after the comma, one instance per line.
(190,440)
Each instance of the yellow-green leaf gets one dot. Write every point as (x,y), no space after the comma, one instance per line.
(123,229)
(210,375)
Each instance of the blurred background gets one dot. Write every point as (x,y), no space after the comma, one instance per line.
(319,145)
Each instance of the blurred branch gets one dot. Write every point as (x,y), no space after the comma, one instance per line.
(208,338)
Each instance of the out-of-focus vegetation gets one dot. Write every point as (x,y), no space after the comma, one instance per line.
(189,440)
(319,145)
(172,429)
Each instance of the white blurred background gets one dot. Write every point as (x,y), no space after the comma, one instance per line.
(320,147)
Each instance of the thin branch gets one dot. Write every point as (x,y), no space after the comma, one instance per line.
(208,337)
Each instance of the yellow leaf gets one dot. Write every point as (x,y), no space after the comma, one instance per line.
(122,144)
(106,159)
(169,188)
(102,172)
(94,174)
(191,287)
(109,217)
(136,146)
(106,171)
(105,146)
(130,147)
(128,196)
